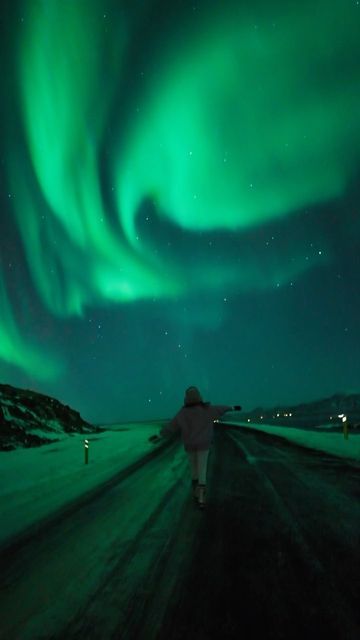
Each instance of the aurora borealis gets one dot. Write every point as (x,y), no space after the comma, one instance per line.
(179,201)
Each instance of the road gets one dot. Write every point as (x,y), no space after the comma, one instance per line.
(276,552)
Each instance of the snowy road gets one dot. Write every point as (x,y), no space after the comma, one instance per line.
(276,552)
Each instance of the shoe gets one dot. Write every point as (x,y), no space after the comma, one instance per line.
(201,496)
(195,488)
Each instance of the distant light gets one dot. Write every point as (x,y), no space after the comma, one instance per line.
(248,419)
(278,415)
(341,415)
(290,414)
(343,419)
(262,417)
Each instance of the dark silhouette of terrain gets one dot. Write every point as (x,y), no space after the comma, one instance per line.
(26,417)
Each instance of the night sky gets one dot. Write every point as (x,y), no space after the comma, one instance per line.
(179,193)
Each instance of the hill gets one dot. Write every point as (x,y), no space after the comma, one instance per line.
(317,412)
(30,419)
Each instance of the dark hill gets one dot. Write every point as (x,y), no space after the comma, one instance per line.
(312,414)
(28,419)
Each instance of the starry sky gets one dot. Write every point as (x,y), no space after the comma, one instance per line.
(179,198)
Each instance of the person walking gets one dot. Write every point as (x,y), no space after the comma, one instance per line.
(195,422)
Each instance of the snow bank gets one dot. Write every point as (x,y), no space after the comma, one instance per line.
(36,482)
(333,443)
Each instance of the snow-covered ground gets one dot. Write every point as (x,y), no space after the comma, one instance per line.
(36,482)
(333,443)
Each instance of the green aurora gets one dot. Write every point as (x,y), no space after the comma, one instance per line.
(250,119)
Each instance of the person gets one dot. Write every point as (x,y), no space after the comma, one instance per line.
(195,422)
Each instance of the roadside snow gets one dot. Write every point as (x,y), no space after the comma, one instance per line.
(36,482)
(333,443)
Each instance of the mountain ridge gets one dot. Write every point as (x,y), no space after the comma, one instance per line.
(31,419)
(338,402)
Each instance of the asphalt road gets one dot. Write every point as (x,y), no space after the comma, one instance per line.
(275,554)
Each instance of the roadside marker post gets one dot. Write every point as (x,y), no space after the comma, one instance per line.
(345,425)
(345,428)
(86,445)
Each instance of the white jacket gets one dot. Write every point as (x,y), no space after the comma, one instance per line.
(196,424)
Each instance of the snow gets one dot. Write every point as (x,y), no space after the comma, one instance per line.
(333,443)
(36,482)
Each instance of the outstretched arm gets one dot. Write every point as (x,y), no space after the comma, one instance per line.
(169,430)
(221,409)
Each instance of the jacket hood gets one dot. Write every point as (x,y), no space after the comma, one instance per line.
(192,396)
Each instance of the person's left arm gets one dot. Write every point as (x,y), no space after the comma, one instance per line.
(221,409)
(218,410)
